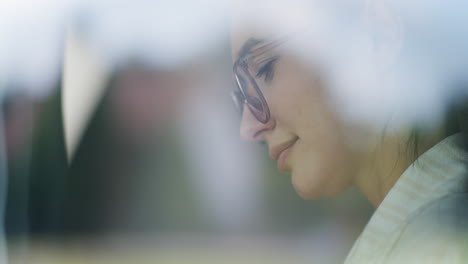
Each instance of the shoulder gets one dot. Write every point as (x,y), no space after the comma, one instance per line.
(446,215)
(437,233)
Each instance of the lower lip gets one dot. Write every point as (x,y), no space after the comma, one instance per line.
(283,158)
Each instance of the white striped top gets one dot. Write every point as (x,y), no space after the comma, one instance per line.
(424,217)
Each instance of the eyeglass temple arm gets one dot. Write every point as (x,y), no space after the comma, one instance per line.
(260,50)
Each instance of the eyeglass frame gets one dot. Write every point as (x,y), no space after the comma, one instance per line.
(243,64)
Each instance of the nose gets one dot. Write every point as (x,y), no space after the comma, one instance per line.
(251,129)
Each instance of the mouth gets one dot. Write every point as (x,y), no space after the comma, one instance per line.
(280,153)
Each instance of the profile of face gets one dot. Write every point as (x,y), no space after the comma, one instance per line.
(323,85)
(303,132)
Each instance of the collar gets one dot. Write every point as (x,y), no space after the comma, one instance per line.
(440,171)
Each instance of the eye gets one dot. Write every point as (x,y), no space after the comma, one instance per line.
(267,70)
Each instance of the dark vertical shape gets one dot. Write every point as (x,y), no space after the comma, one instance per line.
(48,170)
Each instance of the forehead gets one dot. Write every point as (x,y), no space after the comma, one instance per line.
(242,41)
(261,20)
(251,43)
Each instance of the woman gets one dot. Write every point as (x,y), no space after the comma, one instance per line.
(416,178)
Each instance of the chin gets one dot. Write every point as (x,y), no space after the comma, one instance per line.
(309,187)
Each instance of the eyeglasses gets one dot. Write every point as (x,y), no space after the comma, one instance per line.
(248,91)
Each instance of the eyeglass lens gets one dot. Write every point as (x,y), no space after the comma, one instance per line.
(248,92)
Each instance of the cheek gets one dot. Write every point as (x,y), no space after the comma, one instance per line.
(321,164)
(290,103)
(295,97)
(320,168)
(299,106)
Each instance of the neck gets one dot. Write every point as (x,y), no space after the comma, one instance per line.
(385,164)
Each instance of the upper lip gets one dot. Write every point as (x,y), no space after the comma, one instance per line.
(275,151)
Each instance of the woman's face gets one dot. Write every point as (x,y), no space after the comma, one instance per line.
(303,134)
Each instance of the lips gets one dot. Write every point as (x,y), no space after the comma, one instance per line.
(277,150)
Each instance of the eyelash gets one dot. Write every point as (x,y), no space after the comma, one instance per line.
(267,70)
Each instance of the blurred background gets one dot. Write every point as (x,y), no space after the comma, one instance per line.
(119,144)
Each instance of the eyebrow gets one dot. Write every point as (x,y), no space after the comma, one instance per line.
(248,46)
